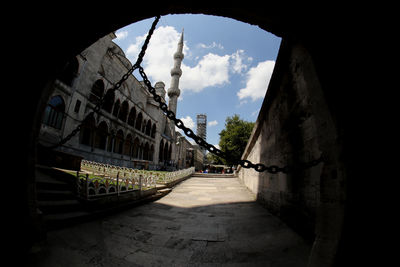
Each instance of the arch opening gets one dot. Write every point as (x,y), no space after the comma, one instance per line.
(245,17)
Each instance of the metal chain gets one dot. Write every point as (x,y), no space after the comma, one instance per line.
(211,148)
(259,167)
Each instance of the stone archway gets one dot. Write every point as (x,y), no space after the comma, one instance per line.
(323,49)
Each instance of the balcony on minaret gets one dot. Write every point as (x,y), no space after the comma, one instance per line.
(173,92)
(179,55)
(176,71)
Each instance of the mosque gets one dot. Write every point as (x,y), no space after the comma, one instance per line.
(130,130)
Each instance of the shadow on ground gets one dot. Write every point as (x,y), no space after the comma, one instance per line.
(173,232)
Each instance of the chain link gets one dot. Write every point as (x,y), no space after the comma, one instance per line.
(259,167)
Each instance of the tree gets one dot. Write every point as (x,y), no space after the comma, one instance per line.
(234,138)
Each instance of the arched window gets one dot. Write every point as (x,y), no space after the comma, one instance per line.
(139,121)
(97,91)
(108,101)
(132,117)
(123,113)
(148,128)
(54,112)
(101,136)
(116,108)
(153,130)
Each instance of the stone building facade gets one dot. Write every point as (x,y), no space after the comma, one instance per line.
(131,130)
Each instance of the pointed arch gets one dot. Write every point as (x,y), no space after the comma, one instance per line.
(148,128)
(116,108)
(97,91)
(153,131)
(139,119)
(132,117)
(123,113)
(109,101)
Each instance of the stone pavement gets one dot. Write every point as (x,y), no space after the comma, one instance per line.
(202,222)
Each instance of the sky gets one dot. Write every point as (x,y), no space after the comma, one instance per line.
(226,68)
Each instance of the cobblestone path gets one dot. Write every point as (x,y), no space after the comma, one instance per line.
(202,222)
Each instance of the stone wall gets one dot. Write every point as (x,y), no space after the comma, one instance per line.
(294,126)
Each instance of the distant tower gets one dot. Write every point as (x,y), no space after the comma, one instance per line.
(176,72)
(202,127)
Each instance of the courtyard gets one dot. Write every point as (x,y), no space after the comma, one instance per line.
(204,221)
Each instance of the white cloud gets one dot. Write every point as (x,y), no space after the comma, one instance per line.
(213,45)
(158,59)
(212,123)
(121,35)
(211,69)
(188,122)
(257,81)
(237,59)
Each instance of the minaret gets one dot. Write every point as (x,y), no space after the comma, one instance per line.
(176,72)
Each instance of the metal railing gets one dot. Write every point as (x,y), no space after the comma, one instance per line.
(98,179)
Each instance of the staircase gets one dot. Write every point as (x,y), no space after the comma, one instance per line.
(60,206)
(56,199)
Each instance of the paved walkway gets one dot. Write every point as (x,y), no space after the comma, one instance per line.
(202,222)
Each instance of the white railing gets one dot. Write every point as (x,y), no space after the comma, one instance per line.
(98,179)
(168,177)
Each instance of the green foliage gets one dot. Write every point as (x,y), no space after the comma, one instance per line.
(213,159)
(233,139)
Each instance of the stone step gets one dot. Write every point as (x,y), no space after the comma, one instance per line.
(59,206)
(51,194)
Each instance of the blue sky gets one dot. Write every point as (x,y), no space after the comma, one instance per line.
(225,71)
